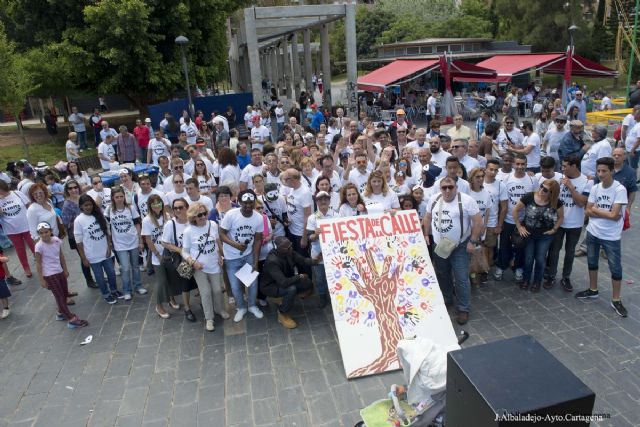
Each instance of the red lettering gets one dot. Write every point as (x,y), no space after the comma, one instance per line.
(369,230)
(324,230)
(396,225)
(351,226)
(385,226)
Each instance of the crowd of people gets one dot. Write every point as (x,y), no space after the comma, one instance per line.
(497,196)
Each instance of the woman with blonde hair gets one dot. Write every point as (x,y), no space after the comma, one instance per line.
(377,192)
(543,215)
(202,249)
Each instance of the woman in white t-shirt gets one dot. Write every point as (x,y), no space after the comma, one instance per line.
(41,210)
(377,191)
(91,234)
(152,228)
(179,192)
(74,171)
(202,249)
(13,217)
(128,185)
(172,237)
(229,170)
(351,203)
(127,242)
(206,182)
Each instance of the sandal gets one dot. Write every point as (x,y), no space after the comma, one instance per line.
(72,294)
(70,301)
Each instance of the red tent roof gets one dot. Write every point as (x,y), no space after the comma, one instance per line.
(464,71)
(378,80)
(508,66)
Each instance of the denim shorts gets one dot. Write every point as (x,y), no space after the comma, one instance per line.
(612,249)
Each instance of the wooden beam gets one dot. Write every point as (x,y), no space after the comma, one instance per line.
(298,11)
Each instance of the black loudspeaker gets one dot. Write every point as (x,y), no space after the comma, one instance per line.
(513,382)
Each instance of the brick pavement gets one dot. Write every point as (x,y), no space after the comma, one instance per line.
(141,370)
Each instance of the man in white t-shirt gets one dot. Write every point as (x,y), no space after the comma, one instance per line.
(77,120)
(574,191)
(632,139)
(109,135)
(600,148)
(431,107)
(518,184)
(438,155)
(158,146)
(142,196)
(605,209)
(106,154)
(460,148)
(509,134)
(628,123)
(299,205)
(328,171)
(359,175)
(193,194)
(254,168)
(451,169)
(455,217)
(530,147)
(498,210)
(191,130)
(547,171)
(259,134)
(241,232)
(280,118)
(420,141)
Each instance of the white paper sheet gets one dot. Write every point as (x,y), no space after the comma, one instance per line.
(246,275)
(375,209)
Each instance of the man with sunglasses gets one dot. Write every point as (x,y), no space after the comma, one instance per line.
(241,234)
(158,146)
(177,167)
(509,134)
(99,193)
(195,155)
(460,148)
(454,217)
(581,104)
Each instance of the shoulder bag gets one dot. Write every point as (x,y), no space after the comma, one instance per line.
(446,246)
(184,269)
(171,259)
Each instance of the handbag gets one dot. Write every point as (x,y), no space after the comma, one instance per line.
(184,269)
(171,259)
(517,240)
(446,246)
(62,230)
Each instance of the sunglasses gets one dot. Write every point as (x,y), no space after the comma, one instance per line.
(544,189)
(401,131)
(201,214)
(156,205)
(97,182)
(178,182)
(179,208)
(509,123)
(447,187)
(179,167)
(457,146)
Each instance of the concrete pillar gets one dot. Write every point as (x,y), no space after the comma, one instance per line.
(282,66)
(351,56)
(296,66)
(253,55)
(276,67)
(234,62)
(269,67)
(308,61)
(326,65)
(287,67)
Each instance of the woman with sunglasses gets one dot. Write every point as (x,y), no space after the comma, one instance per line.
(172,237)
(543,215)
(70,211)
(94,246)
(206,181)
(152,228)
(178,192)
(202,249)
(75,172)
(41,210)
(127,242)
(483,200)
(99,193)
(404,166)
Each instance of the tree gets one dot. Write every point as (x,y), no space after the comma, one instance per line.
(16,83)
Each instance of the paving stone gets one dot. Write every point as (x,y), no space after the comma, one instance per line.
(184,416)
(322,410)
(262,386)
(133,401)
(104,413)
(237,409)
(265,411)
(291,401)
(215,417)
(185,393)
(158,407)
(313,383)
(131,420)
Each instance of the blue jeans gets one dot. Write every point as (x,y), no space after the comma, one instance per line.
(280,129)
(455,267)
(614,255)
(536,251)
(129,269)
(288,294)
(82,140)
(99,269)
(320,278)
(633,161)
(507,251)
(237,287)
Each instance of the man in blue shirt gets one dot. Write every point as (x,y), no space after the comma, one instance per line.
(317,119)
(573,142)
(581,104)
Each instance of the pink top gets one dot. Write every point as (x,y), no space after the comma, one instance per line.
(50,253)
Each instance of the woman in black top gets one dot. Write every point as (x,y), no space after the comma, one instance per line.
(543,215)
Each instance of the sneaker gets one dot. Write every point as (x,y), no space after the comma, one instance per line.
(224,315)
(92,284)
(497,274)
(619,308)
(110,299)
(142,267)
(60,317)
(256,312)
(189,315)
(484,278)
(117,294)
(239,314)
(519,275)
(286,321)
(127,297)
(77,323)
(5,313)
(549,283)
(141,291)
(117,271)
(588,294)
(262,302)
(566,285)
(13,281)
(210,326)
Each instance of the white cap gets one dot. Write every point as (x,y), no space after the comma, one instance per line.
(147,120)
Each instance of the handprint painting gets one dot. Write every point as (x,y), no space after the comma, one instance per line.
(383,289)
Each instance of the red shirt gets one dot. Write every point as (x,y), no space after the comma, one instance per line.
(142,135)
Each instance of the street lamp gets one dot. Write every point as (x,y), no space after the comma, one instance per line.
(182,41)
(566,82)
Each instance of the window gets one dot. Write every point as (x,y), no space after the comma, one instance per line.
(441,48)
(455,48)
(426,49)
(413,51)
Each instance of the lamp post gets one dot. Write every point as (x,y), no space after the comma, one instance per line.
(182,41)
(566,82)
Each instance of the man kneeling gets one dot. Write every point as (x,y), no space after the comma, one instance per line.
(278,278)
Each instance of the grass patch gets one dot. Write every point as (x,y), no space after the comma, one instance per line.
(49,152)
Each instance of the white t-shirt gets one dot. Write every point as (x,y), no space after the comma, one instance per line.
(389,200)
(123,230)
(158,147)
(516,188)
(605,198)
(346,210)
(483,199)
(469,163)
(552,139)
(191,130)
(574,214)
(275,179)
(82,179)
(108,151)
(449,226)
(463,186)
(241,230)
(514,134)
(70,147)
(140,201)
(14,213)
(431,106)
(498,193)
(206,184)
(439,158)
(533,158)
(105,196)
(275,210)
(190,166)
(259,136)
(87,231)
(172,195)
(169,237)
(359,179)
(279,115)
(336,182)
(37,214)
(229,173)
(248,173)
(201,243)
(629,121)
(148,229)
(597,151)
(557,177)
(312,224)
(204,200)
(297,200)
(109,132)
